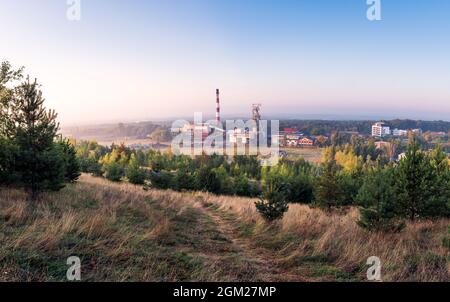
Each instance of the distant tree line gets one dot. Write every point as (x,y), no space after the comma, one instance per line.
(326,127)
(32,155)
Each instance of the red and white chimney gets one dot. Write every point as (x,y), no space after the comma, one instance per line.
(218,107)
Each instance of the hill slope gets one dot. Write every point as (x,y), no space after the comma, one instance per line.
(123,233)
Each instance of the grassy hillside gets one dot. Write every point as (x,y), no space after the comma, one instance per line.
(123,233)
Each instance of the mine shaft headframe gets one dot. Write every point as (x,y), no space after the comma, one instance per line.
(256,112)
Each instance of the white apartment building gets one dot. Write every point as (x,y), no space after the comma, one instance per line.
(398,132)
(380,130)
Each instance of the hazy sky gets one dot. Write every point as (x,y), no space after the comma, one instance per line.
(150,59)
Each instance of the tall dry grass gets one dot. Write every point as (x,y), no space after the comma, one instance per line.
(115,228)
(416,254)
(125,233)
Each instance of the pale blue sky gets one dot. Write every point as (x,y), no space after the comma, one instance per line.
(129,60)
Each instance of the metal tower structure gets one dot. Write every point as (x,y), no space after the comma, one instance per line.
(256,112)
(218,106)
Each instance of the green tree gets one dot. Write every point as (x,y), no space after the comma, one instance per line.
(242,185)
(7,152)
(135,174)
(378,201)
(439,203)
(301,188)
(114,171)
(71,163)
(226,184)
(328,190)
(414,182)
(184,180)
(273,203)
(161,179)
(207,180)
(33,129)
(7,149)
(8,76)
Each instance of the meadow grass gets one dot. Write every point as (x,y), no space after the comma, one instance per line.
(122,232)
(337,249)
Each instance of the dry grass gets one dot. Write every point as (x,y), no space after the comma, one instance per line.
(313,155)
(120,232)
(308,235)
(124,233)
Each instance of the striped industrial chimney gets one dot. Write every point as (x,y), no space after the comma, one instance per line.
(218,107)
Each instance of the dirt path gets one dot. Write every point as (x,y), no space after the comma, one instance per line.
(265,262)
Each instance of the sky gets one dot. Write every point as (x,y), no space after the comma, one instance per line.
(156,59)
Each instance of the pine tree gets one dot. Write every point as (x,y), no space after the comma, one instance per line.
(414,182)
(135,174)
(184,180)
(207,180)
(38,162)
(71,163)
(328,191)
(7,149)
(242,185)
(113,171)
(273,203)
(378,201)
(438,204)
(301,188)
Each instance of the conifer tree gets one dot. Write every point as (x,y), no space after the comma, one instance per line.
(207,180)
(438,204)
(184,180)
(328,192)
(71,163)
(414,181)
(33,129)
(135,174)
(114,171)
(378,201)
(273,203)
(7,150)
